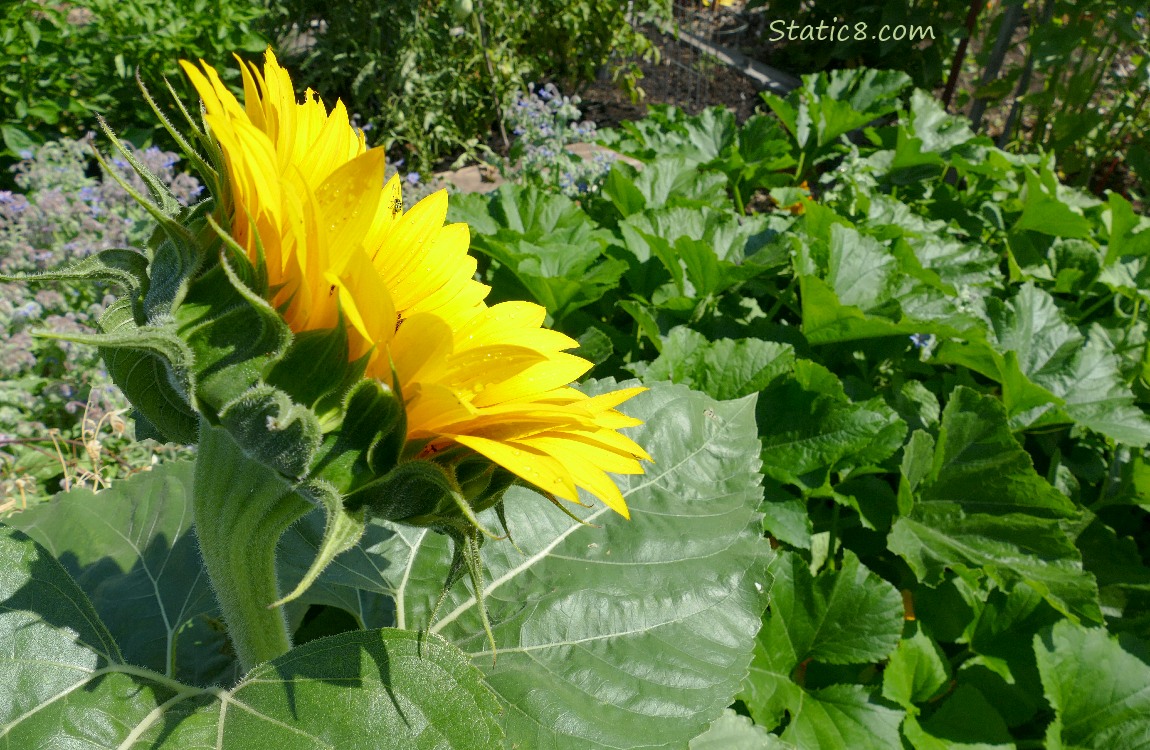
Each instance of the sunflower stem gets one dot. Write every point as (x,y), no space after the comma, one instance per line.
(241,508)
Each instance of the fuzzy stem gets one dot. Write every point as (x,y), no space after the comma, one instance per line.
(241,508)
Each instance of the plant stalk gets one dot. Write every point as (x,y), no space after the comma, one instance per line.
(241,508)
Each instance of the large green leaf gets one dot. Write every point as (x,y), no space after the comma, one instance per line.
(1128,231)
(848,616)
(829,105)
(926,132)
(1011,549)
(669,132)
(67,685)
(669,182)
(597,627)
(1044,211)
(843,716)
(814,428)
(131,550)
(866,289)
(622,634)
(844,616)
(723,369)
(941,256)
(1050,372)
(965,720)
(916,672)
(563,273)
(978,504)
(733,241)
(734,732)
(1099,688)
(979,465)
(552,247)
(762,151)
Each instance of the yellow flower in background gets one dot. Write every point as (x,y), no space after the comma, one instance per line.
(304,194)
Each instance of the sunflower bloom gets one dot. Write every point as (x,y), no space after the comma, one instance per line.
(303,195)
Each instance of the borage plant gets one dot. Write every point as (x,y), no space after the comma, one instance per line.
(364,420)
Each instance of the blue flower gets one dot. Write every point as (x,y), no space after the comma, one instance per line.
(412,178)
(28,311)
(921,340)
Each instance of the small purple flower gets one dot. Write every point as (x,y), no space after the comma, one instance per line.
(28,311)
(921,340)
(412,178)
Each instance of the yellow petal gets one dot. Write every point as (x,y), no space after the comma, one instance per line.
(404,247)
(559,370)
(529,464)
(347,201)
(423,340)
(590,476)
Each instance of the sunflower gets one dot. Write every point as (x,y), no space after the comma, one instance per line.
(302,194)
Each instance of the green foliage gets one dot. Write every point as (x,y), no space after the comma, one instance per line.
(572,603)
(129,550)
(935,354)
(63,64)
(283,702)
(949,350)
(1096,685)
(64,423)
(429,80)
(1091,107)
